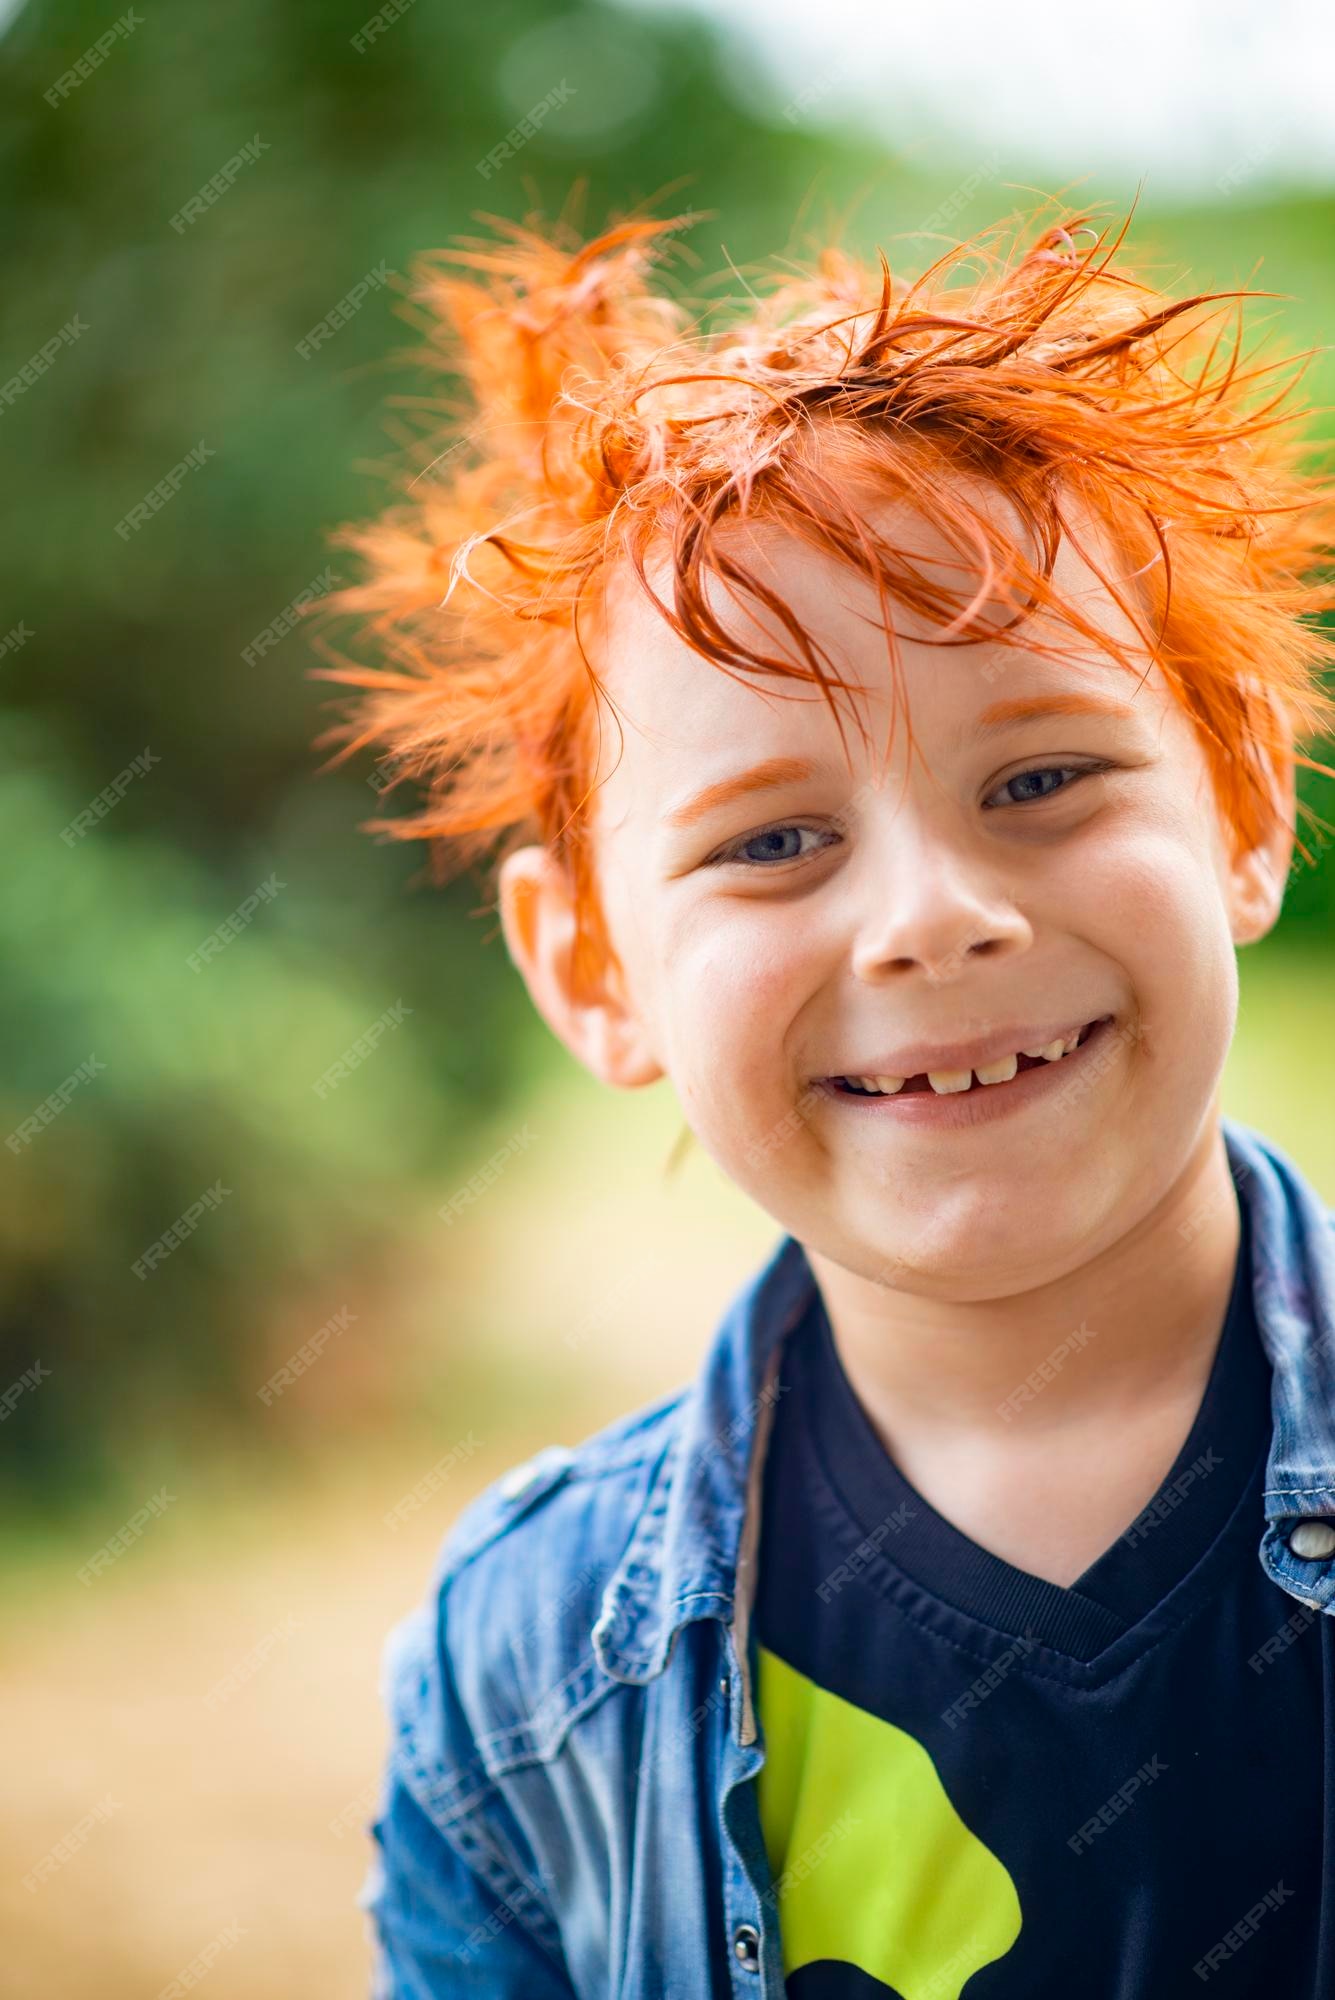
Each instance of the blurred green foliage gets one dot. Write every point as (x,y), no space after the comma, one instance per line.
(371,154)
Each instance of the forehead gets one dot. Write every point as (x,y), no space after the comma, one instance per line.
(675,711)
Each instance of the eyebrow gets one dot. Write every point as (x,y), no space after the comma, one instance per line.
(766,777)
(778,771)
(1031,708)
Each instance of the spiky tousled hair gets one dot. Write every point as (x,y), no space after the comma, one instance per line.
(605,425)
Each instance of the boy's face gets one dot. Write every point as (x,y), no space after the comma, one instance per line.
(910,915)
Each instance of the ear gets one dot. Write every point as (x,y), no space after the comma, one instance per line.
(1257,876)
(598,1025)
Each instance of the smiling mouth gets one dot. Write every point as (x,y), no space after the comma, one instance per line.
(943,1083)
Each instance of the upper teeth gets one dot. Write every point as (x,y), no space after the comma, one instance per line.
(945,1080)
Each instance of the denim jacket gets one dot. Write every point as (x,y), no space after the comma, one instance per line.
(565,1808)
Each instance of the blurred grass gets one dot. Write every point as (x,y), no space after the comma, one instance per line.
(1279,1071)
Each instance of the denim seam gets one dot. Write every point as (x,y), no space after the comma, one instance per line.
(536,1920)
(585,1706)
(461,1823)
(532,1729)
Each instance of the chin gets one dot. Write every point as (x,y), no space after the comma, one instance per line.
(986,1247)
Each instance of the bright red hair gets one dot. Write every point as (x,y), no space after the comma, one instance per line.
(604,425)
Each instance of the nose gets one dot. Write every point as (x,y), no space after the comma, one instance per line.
(932,908)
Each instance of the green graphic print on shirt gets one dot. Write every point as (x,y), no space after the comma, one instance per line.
(874,1867)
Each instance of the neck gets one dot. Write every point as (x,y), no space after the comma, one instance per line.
(1126,1335)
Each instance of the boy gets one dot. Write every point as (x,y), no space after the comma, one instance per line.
(959,1630)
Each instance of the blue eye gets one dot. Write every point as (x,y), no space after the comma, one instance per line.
(1034,783)
(775,842)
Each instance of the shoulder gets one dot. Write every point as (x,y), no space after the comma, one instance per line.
(543,1496)
(495,1663)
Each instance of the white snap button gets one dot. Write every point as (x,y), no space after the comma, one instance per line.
(1313,1539)
(517,1480)
(746,1946)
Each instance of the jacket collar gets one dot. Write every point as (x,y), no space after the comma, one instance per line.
(693,1550)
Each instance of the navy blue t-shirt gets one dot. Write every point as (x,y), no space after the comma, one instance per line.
(979,1783)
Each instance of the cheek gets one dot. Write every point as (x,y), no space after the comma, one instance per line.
(734,989)
(1154,904)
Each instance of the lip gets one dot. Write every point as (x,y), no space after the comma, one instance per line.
(984,1103)
(919,1057)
